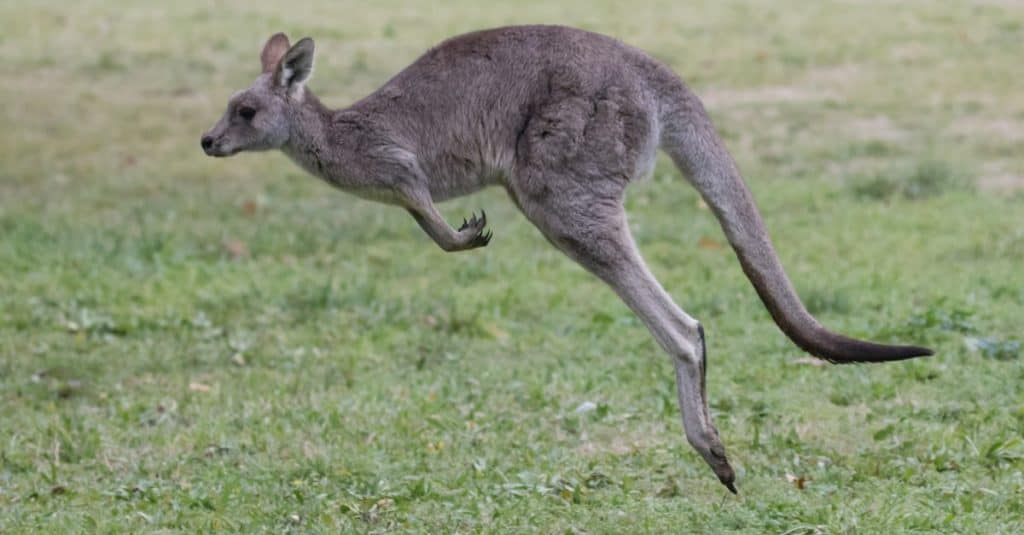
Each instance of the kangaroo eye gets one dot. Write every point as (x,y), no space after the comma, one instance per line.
(247,113)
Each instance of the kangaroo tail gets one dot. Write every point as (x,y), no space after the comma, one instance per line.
(690,139)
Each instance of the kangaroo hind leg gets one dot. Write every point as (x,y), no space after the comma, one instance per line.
(596,235)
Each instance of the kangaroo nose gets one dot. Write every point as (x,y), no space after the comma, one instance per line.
(206,142)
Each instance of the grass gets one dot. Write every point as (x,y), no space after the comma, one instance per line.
(197,345)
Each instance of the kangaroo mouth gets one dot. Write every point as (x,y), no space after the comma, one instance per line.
(218,152)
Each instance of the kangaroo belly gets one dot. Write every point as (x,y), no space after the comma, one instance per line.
(465,167)
(456,183)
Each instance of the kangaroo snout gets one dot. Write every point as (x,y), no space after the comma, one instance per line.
(215,146)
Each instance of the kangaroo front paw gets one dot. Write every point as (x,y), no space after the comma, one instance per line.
(472,232)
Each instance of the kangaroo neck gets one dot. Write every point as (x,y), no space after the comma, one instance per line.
(307,140)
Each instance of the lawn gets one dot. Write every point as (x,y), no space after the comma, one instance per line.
(195,345)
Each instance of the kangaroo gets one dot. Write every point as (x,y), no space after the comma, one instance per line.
(563,120)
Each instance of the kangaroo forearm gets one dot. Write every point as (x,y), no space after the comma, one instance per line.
(469,236)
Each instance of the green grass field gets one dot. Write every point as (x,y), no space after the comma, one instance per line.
(195,345)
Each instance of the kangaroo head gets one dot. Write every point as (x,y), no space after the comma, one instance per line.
(260,117)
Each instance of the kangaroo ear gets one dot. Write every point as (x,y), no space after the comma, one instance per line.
(275,49)
(297,64)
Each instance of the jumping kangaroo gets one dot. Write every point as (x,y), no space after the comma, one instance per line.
(563,120)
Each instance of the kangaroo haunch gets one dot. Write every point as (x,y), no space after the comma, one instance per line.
(563,120)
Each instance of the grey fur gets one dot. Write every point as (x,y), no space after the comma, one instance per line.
(563,120)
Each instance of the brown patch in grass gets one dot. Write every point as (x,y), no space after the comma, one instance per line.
(816,85)
(1002,183)
(725,97)
(834,75)
(998,129)
(878,127)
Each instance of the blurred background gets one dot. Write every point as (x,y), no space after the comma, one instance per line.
(229,345)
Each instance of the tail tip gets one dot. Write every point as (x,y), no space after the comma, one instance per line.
(857,352)
(918,351)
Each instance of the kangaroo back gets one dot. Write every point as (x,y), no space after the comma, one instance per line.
(689,137)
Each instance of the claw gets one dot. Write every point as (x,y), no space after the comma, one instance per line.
(477,226)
